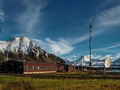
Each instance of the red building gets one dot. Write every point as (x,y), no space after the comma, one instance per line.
(34,67)
(27,67)
(30,67)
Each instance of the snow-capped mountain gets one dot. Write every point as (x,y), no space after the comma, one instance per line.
(24,48)
(83,60)
(19,45)
(116,62)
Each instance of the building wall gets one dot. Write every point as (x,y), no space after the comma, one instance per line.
(30,68)
(24,67)
(12,66)
(61,67)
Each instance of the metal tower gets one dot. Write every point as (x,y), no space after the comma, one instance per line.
(90,47)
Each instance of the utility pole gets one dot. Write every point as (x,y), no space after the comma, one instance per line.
(90,47)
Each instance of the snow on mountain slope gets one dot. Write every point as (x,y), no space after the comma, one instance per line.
(83,60)
(25,49)
(3,46)
(116,62)
(19,45)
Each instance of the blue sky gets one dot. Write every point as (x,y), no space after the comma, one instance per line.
(61,27)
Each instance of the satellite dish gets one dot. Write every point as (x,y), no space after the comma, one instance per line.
(108,62)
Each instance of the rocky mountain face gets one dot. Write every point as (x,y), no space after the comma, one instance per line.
(116,62)
(84,61)
(25,49)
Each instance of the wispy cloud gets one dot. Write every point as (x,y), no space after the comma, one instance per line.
(28,19)
(58,47)
(2,18)
(109,17)
(106,18)
(107,49)
(113,57)
(62,45)
(79,39)
(118,55)
(101,57)
(106,3)
(102,22)
(2,15)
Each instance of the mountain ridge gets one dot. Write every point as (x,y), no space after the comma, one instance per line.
(24,48)
(83,60)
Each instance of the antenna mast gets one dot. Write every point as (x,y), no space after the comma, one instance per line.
(90,46)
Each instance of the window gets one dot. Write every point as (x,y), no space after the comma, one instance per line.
(41,67)
(38,67)
(26,67)
(33,67)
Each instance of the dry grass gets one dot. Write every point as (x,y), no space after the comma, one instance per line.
(52,81)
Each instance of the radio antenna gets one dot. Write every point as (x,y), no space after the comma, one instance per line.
(90,46)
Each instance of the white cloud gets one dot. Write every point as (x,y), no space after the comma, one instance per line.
(101,57)
(113,57)
(105,20)
(112,50)
(28,19)
(107,56)
(79,39)
(109,17)
(106,3)
(59,47)
(56,47)
(94,56)
(107,49)
(2,15)
(118,55)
